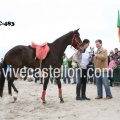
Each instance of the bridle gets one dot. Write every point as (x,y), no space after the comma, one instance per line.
(74,39)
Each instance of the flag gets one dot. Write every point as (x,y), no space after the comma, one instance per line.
(118,25)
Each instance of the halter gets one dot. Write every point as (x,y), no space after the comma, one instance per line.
(74,39)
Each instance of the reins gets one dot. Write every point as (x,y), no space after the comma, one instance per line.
(74,39)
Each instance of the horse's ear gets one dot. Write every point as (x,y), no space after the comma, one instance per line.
(76,31)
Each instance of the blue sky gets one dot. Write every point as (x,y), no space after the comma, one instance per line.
(46,20)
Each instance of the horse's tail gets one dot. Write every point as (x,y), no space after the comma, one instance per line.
(2,77)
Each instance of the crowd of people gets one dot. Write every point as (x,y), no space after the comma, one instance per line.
(113,62)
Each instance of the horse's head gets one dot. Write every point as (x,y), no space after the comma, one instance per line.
(76,40)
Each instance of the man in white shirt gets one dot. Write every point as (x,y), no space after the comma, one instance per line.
(83,75)
(82,59)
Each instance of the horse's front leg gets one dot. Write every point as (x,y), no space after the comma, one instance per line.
(46,80)
(59,90)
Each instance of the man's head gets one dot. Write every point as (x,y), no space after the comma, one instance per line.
(116,50)
(119,53)
(86,43)
(98,43)
(111,52)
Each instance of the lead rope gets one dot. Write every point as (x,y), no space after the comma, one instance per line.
(72,42)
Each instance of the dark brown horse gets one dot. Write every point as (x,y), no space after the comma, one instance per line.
(20,56)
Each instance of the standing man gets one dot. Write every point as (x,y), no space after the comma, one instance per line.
(101,65)
(83,65)
(82,60)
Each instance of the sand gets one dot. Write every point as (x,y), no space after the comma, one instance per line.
(30,107)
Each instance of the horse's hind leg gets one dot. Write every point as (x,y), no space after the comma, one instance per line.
(15,96)
(59,90)
(10,84)
(9,88)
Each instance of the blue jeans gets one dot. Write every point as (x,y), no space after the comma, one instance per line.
(102,79)
(65,75)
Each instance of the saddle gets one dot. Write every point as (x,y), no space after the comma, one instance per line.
(41,50)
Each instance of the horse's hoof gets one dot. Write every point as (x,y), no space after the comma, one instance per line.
(13,102)
(61,101)
(14,98)
(44,102)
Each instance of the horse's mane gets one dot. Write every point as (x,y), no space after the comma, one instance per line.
(63,37)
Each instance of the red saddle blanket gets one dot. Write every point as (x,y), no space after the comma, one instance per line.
(41,50)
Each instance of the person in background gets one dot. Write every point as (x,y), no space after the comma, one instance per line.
(110,54)
(24,73)
(82,60)
(116,52)
(36,75)
(8,72)
(1,63)
(90,67)
(100,60)
(111,68)
(1,60)
(117,59)
(65,69)
(74,67)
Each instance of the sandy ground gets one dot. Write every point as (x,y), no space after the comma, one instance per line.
(30,107)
